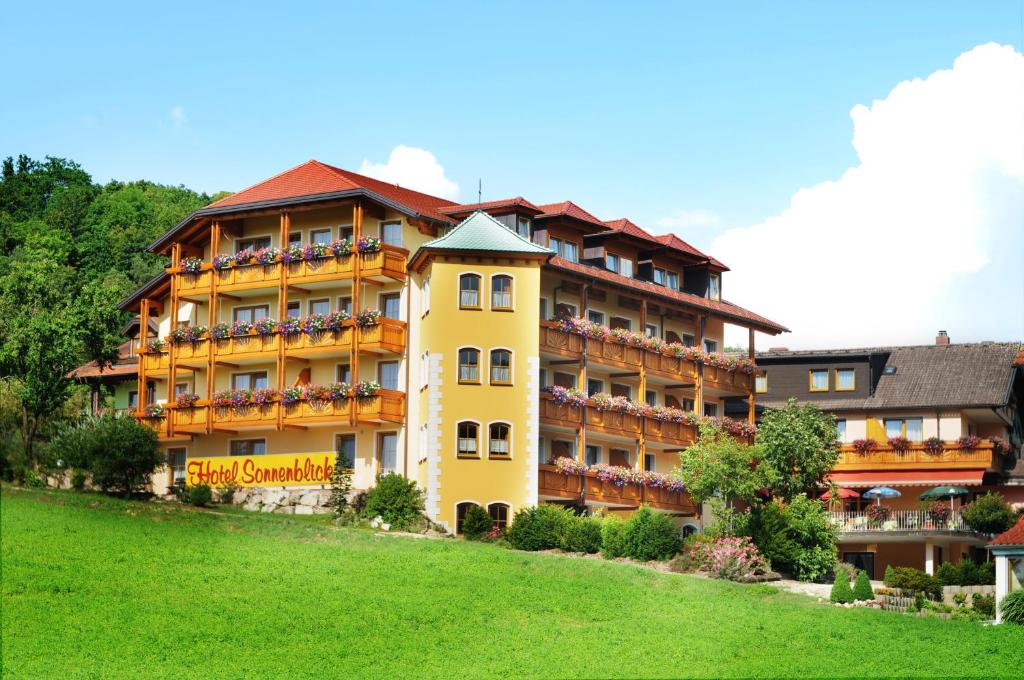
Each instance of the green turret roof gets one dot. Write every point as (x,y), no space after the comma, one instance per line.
(482,232)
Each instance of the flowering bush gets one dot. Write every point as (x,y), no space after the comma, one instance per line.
(614,474)
(366,388)
(191,265)
(186,400)
(968,442)
(321,393)
(899,444)
(368,244)
(735,558)
(265,326)
(618,475)
(566,395)
(939,511)
(154,411)
(292,395)
(933,445)
(293,253)
(877,513)
(244,398)
(737,428)
(369,317)
(341,247)
(241,327)
(155,345)
(864,446)
(316,251)
(606,402)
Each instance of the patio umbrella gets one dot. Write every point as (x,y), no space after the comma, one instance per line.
(940,492)
(844,494)
(880,492)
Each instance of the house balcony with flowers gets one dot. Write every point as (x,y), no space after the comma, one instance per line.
(565,479)
(897,453)
(155,358)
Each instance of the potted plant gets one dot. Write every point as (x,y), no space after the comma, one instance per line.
(933,445)
(191,265)
(939,512)
(864,446)
(968,442)
(186,400)
(878,514)
(899,444)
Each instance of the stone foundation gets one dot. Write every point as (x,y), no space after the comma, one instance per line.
(283,501)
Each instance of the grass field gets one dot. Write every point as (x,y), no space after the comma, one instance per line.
(97,587)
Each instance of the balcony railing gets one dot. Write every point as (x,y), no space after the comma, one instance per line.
(251,416)
(246,276)
(613,422)
(616,423)
(324,342)
(385,406)
(916,457)
(155,362)
(198,283)
(192,419)
(338,411)
(899,520)
(388,335)
(252,346)
(389,262)
(723,379)
(191,352)
(590,488)
(322,269)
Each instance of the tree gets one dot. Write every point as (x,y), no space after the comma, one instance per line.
(720,465)
(989,514)
(341,483)
(862,588)
(841,591)
(798,445)
(120,453)
(797,537)
(100,321)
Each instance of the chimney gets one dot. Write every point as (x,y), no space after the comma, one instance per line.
(942,338)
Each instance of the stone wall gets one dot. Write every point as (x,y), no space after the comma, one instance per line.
(287,501)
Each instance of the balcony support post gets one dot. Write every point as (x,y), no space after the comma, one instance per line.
(698,390)
(751,396)
(282,310)
(172,377)
(929,558)
(143,340)
(211,359)
(581,381)
(357,299)
(641,446)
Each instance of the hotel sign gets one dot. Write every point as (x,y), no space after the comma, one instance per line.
(284,469)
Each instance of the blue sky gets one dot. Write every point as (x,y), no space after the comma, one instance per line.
(645,111)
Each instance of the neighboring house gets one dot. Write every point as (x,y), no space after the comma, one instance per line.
(1008,550)
(450,375)
(115,387)
(943,391)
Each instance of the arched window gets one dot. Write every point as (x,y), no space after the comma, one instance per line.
(469,291)
(501,367)
(689,530)
(469,365)
(468,436)
(498,440)
(460,514)
(499,515)
(501,292)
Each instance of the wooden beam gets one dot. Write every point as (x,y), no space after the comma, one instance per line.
(680,386)
(564,362)
(224,363)
(296,427)
(297,289)
(190,300)
(233,298)
(296,359)
(629,374)
(225,431)
(373,282)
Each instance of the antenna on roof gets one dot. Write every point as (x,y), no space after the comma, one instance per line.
(479,192)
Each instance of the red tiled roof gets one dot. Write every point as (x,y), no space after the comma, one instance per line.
(313,177)
(627,227)
(569,209)
(517,202)
(126,365)
(1013,536)
(720,307)
(673,241)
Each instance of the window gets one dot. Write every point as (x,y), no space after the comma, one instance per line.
(619,390)
(523,227)
(841,428)
(460,515)
(345,234)
(541,459)
(592,454)
(424,369)
(253,243)
(320,306)
(911,428)
(564,249)
(566,380)
(391,305)
(499,441)
(626,268)
(469,365)
(564,310)
(651,330)
(499,513)
(469,291)
(818,380)
(250,314)
(594,385)
(761,383)
(391,233)
(176,463)
(620,322)
(672,280)
(345,304)
(254,380)
(387,375)
(294,309)
(845,380)
(249,447)
(660,276)
(426,294)
(467,433)
(295,238)
(689,340)
(612,262)
(343,373)
(501,292)
(651,398)
(595,316)
(714,287)
(893,427)
(711,410)
(322,236)
(180,389)
(618,457)
(387,451)
(710,346)
(133,400)
(649,463)
(543,377)
(345,447)
(501,367)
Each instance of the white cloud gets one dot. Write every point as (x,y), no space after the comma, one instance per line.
(413,168)
(177,116)
(690,219)
(925,233)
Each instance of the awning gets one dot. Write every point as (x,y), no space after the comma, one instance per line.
(907,477)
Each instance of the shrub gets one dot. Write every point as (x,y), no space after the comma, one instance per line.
(986,574)
(889,576)
(120,453)
(989,514)
(841,592)
(985,605)
(582,534)
(199,495)
(1012,607)
(732,557)
(538,528)
(78,480)
(613,538)
(862,588)
(477,524)
(650,536)
(395,499)
(798,537)
(908,578)
(848,569)
(341,484)
(948,574)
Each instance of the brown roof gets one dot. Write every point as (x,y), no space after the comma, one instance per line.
(1013,536)
(720,307)
(517,202)
(126,366)
(569,209)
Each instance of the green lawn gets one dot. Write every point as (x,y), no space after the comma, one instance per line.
(96,587)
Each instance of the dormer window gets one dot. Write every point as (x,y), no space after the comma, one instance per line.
(523,227)
(660,276)
(672,280)
(714,286)
(564,249)
(612,262)
(619,264)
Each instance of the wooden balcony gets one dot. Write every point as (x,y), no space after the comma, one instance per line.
(191,420)
(155,363)
(614,354)
(670,367)
(670,433)
(556,341)
(322,269)
(195,284)
(588,489)
(679,435)
(390,262)
(158,425)
(246,417)
(319,412)
(248,276)
(916,458)
(192,354)
(613,422)
(559,415)
(386,406)
(727,381)
(326,343)
(251,348)
(386,336)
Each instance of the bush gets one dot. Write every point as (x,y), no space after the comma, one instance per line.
(692,556)
(341,484)
(78,480)
(731,557)
(199,495)
(650,536)
(862,588)
(581,534)
(394,499)
(841,592)
(848,569)
(985,605)
(798,537)
(538,528)
(477,524)
(120,453)
(966,573)
(908,578)
(989,514)
(889,575)
(613,538)
(1012,608)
